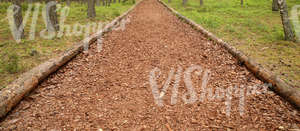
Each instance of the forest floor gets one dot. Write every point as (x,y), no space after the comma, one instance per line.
(17,58)
(252,28)
(110,90)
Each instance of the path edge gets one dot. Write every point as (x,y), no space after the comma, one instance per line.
(14,92)
(292,95)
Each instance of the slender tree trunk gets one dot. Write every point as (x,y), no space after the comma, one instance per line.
(119,1)
(18,19)
(109,1)
(103,2)
(30,1)
(51,14)
(201,2)
(169,1)
(82,1)
(114,1)
(287,27)
(91,9)
(184,2)
(97,2)
(68,2)
(242,2)
(275,5)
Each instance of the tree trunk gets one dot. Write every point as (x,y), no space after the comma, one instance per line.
(18,19)
(30,1)
(68,2)
(287,27)
(97,2)
(201,2)
(91,9)
(184,2)
(108,2)
(103,2)
(275,5)
(169,1)
(242,2)
(51,14)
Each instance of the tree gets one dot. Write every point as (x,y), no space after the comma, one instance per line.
(275,5)
(18,19)
(242,2)
(201,2)
(97,2)
(51,16)
(169,1)
(91,9)
(108,2)
(103,2)
(30,1)
(68,2)
(184,2)
(287,27)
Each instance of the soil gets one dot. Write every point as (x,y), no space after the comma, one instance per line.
(110,90)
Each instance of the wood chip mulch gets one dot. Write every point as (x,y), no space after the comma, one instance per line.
(110,90)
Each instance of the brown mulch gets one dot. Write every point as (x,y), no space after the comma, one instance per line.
(110,90)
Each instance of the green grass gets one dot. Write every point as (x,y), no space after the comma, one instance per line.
(254,29)
(16,58)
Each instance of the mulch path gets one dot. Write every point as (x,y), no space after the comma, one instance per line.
(110,90)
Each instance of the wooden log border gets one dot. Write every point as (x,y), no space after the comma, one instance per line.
(14,92)
(289,93)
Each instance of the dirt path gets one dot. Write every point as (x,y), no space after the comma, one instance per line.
(110,90)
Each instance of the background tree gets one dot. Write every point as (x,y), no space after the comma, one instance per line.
(184,2)
(275,5)
(91,9)
(68,2)
(108,2)
(82,1)
(18,19)
(97,2)
(51,14)
(242,2)
(201,2)
(287,27)
(30,1)
(103,2)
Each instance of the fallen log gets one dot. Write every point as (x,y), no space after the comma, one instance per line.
(14,92)
(289,93)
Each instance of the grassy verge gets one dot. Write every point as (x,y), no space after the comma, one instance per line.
(16,58)
(254,29)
